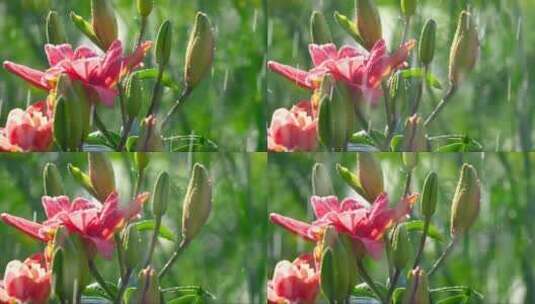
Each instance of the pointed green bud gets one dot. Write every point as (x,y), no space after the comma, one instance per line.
(430,195)
(60,124)
(55,34)
(160,195)
(336,117)
(85,27)
(197,203)
(351,179)
(52,180)
(319,29)
(141,160)
(82,179)
(417,291)
(134,96)
(321,181)
(200,51)
(370,175)
(147,290)
(101,175)
(414,135)
(464,49)
(164,42)
(426,48)
(150,139)
(132,243)
(408,8)
(410,160)
(401,247)
(349,27)
(104,22)
(466,201)
(368,22)
(144,7)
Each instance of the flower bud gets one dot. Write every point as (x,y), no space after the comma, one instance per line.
(160,195)
(52,180)
(414,137)
(336,116)
(321,181)
(466,201)
(144,7)
(370,175)
(197,203)
(410,160)
(132,244)
(84,27)
(408,8)
(104,22)
(464,49)
(429,195)
(147,290)
(199,52)
(164,41)
(349,26)
(368,23)
(54,30)
(319,29)
(150,139)
(141,161)
(134,95)
(417,291)
(101,175)
(401,247)
(426,48)
(82,179)
(351,179)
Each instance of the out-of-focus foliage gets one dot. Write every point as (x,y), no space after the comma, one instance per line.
(494,105)
(226,108)
(227,258)
(493,258)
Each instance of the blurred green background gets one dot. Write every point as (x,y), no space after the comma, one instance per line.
(228,256)
(226,108)
(495,257)
(493,106)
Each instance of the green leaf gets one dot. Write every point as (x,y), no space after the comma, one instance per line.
(95,290)
(146,225)
(97,138)
(397,295)
(443,141)
(397,143)
(363,300)
(458,299)
(188,299)
(131,143)
(95,300)
(457,147)
(363,290)
(193,143)
(361,148)
(431,79)
(362,138)
(167,80)
(418,225)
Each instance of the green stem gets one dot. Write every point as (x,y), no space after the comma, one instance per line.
(176,106)
(153,241)
(390,117)
(420,251)
(440,106)
(125,133)
(100,125)
(442,257)
(156,92)
(124,285)
(392,287)
(420,93)
(141,32)
(407,188)
(120,254)
(122,102)
(98,277)
(368,280)
(406,30)
(180,248)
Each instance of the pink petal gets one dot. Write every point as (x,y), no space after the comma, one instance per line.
(57,53)
(30,228)
(104,246)
(291,73)
(32,76)
(300,228)
(84,52)
(323,205)
(321,53)
(105,95)
(54,205)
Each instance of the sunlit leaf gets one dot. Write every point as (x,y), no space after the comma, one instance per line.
(149,225)
(418,225)
(167,80)
(431,79)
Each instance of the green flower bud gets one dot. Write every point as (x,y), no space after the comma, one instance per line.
(414,137)
(200,51)
(141,160)
(370,175)
(401,247)
(408,8)
(349,27)
(197,203)
(85,27)
(150,139)
(417,291)
(54,30)
(134,95)
(160,195)
(82,179)
(319,29)
(336,117)
(144,7)
(410,160)
(321,181)
(426,48)
(351,180)
(430,195)
(103,22)
(164,41)
(466,201)
(148,288)
(368,23)
(101,175)
(464,49)
(52,180)
(132,243)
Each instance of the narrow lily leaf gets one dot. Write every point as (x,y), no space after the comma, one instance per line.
(148,225)
(193,143)
(167,80)
(97,138)
(431,79)
(457,147)
(418,225)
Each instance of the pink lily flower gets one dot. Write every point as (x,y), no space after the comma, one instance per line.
(363,72)
(294,282)
(294,129)
(96,223)
(364,225)
(26,282)
(27,130)
(98,73)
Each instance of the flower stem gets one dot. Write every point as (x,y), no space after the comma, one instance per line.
(420,92)
(180,248)
(153,241)
(442,257)
(392,287)
(122,102)
(390,116)
(406,30)
(176,106)
(156,92)
(125,133)
(420,251)
(122,288)
(98,277)
(142,28)
(368,280)
(100,125)
(440,105)
(120,254)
